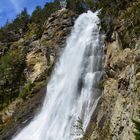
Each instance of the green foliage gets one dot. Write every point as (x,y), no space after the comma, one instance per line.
(75,5)
(91,4)
(33,30)
(112,7)
(20,25)
(80,5)
(41,14)
(78,130)
(131,24)
(4,32)
(26,90)
(137,129)
(136,122)
(108,14)
(126,11)
(12,65)
(20,22)
(16,28)
(79,133)
(50,8)
(3,49)
(106,131)
(38,16)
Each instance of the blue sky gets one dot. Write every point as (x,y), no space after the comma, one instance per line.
(10,8)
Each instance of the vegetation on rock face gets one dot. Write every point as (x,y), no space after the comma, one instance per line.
(12,31)
(16,29)
(137,131)
(137,121)
(122,16)
(131,24)
(26,90)
(12,65)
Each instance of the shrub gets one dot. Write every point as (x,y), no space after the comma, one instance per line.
(137,131)
(12,65)
(26,90)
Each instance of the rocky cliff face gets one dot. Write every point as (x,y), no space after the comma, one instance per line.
(42,55)
(40,58)
(118,105)
(112,119)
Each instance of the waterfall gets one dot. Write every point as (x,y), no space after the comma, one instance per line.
(73,90)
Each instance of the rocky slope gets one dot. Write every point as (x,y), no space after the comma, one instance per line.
(118,105)
(112,119)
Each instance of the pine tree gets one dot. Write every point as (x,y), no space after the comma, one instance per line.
(21,21)
(37,16)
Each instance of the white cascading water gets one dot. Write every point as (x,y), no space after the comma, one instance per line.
(73,90)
